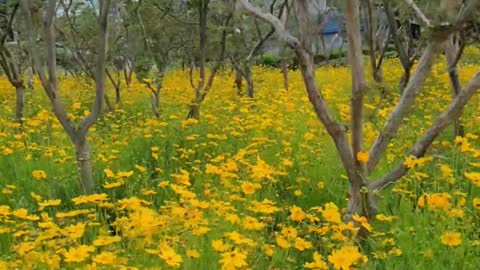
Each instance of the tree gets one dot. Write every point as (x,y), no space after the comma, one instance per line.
(249,40)
(11,54)
(202,88)
(159,43)
(357,163)
(76,132)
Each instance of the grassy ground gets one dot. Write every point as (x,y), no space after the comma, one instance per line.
(253,185)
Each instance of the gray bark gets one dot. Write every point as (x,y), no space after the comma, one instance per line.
(453,111)
(77,134)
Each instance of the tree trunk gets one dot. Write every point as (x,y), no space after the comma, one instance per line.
(404,79)
(82,152)
(238,81)
(451,51)
(108,103)
(285,74)
(156,103)
(249,80)
(360,201)
(194,111)
(117,94)
(20,102)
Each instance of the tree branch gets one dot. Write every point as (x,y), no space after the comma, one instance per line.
(425,21)
(453,111)
(88,121)
(402,108)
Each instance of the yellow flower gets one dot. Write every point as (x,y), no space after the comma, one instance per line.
(233,260)
(282,242)
(249,187)
(363,222)
(94,198)
(382,217)
(219,245)
(451,239)
(169,255)
(301,244)
(109,173)
(297,214)
(363,156)
(105,258)
(74,231)
(182,178)
(474,177)
(39,175)
(476,203)
(318,263)
(78,254)
(106,240)
(252,224)
(289,232)
(346,257)
(331,214)
(48,203)
(140,168)
(269,250)
(192,253)
(125,174)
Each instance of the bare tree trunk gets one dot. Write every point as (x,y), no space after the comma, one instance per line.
(82,152)
(360,201)
(238,81)
(451,51)
(77,134)
(117,94)
(108,103)
(156,103)
(285,74)
(370,30)
(249,80)
(20,102)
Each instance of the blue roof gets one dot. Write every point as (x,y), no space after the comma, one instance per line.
(330,27)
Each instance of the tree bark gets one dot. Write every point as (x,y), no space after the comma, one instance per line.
(20,102)
(360,201)
(402,108)
(445,119)
(238,81)
(285,74)
(249,80)
(82,152)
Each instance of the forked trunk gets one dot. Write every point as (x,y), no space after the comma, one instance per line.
(82,152)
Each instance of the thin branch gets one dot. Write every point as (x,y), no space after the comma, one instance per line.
(425,21)
(453,111)
(88,121)
(274,21)
(402,108)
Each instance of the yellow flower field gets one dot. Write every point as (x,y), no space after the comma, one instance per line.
(255,184)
